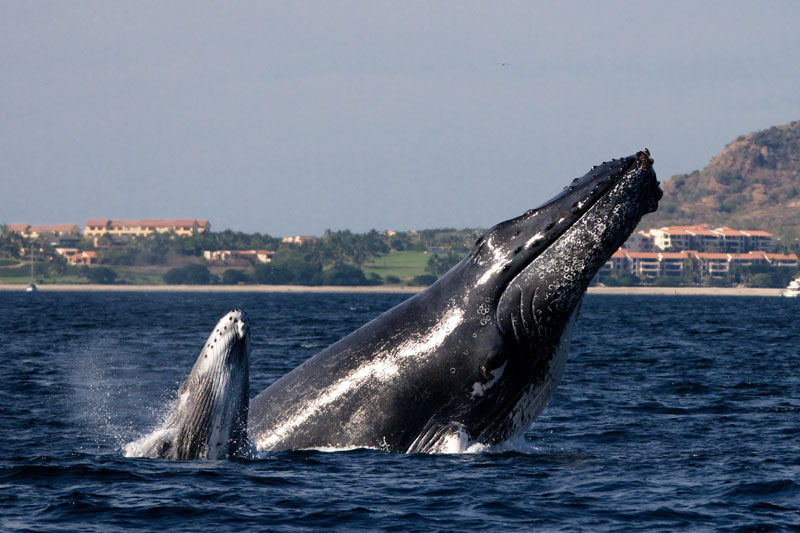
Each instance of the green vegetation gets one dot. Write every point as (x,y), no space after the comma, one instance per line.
(423,280)
(440,264)
(345,275)
(233,276)
(338,257)
(621,279)
(193,274)
(101,274)
(763,276)
(140,275)
(288,270)
(402,266)
(667,281)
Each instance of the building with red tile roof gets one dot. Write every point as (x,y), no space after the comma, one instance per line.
(711,264)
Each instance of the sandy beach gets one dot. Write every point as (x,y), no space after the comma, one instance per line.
(670,291)
(686,291)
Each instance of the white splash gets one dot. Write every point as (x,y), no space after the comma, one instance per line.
(144,446)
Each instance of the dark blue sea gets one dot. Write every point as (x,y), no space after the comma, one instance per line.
(675,412)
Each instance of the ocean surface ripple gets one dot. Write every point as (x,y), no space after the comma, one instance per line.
(674,412)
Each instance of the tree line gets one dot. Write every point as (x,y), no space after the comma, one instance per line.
(337,258)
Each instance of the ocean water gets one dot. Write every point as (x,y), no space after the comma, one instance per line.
(675,412)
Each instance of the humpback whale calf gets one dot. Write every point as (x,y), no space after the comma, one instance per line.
(209,418)
(474,358)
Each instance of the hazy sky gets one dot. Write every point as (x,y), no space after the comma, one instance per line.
(293,117)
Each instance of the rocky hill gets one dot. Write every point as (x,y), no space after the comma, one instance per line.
(754,182)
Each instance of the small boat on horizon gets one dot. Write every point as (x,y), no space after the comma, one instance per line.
(32,286)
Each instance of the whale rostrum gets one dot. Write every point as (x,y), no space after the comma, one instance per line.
(474,358)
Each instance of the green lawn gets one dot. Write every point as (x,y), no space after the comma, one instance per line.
(130,275)
(404,265)
(16,274)
(8,275)
(139,275)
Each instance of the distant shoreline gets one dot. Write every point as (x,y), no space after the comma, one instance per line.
(91,287)
(376,289)
(686,291)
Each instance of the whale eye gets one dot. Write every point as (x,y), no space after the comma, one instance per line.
(492,363)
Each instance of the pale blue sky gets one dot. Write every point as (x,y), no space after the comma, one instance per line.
(293,117)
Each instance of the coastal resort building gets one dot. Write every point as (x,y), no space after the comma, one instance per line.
(74,257)
(261,256)
(711,265)
(699,238)
(97,227)
(300,239)
(30,231)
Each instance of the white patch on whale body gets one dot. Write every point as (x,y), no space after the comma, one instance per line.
(533,240)
(478,389)
(498,263)
(384,367)
(456,442)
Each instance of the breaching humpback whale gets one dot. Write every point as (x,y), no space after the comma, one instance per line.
(209,418)
(477,355)
(473,359)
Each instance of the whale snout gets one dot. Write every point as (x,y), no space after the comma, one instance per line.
(646,166)
(239,323)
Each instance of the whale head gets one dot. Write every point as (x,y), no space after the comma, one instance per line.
(525,279)
(210,418)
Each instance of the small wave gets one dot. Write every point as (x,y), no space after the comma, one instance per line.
(764,488)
